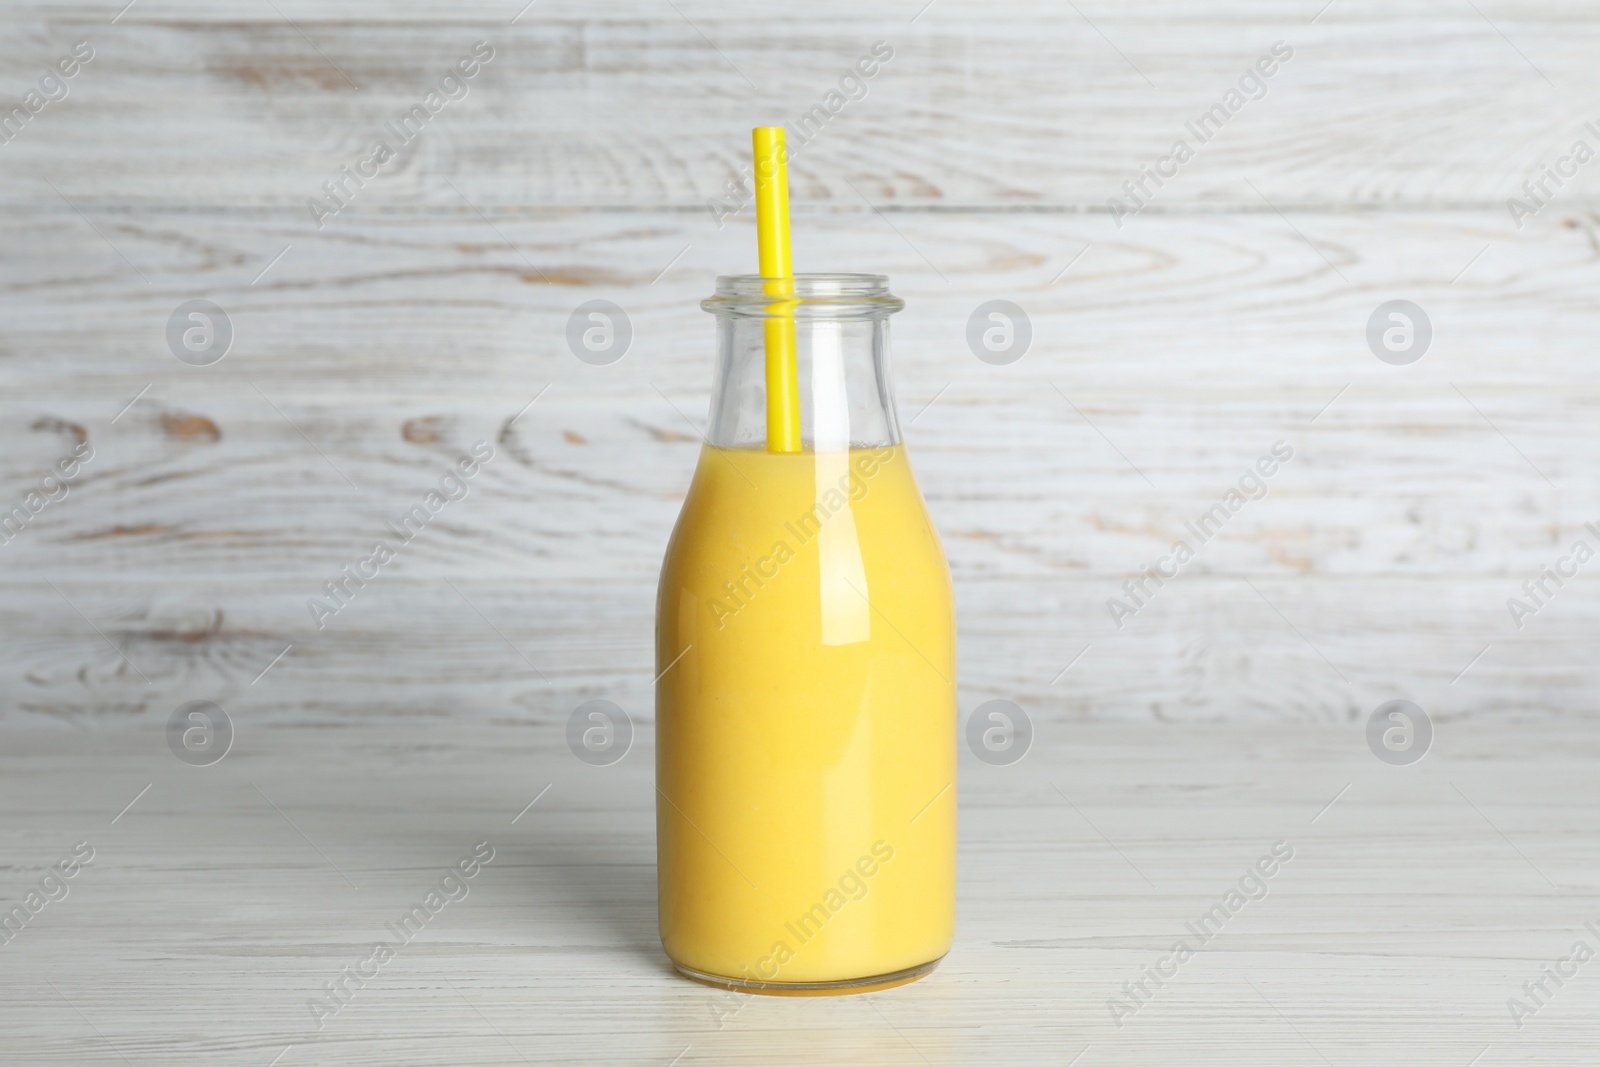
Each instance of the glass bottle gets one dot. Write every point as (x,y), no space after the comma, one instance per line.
(805,639)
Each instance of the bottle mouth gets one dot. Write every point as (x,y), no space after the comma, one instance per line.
(804,296)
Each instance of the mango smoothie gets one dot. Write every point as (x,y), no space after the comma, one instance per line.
(806,724)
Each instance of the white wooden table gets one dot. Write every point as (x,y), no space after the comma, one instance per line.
(1167,354)
(219,904)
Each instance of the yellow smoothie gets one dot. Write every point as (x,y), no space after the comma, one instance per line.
(806,726)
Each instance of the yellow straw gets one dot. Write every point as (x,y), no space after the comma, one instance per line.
(772,234)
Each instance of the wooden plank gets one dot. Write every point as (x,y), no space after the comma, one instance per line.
(1028,106)
(382,360)
(524,648)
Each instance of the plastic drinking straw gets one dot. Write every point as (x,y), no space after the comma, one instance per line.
(772,235)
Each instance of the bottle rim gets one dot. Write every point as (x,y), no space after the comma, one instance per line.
(805,296)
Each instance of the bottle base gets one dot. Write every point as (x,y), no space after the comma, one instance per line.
(842,987)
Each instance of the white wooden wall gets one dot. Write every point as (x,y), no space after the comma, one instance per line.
(429,312)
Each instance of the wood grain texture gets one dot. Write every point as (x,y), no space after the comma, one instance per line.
(1019,106)
(1164,364)
(218,905)
(1168,354)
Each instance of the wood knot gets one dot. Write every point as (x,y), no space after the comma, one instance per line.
(424,431)
(189,427)
(50,424)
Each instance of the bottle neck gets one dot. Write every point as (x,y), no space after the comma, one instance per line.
(841,326)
